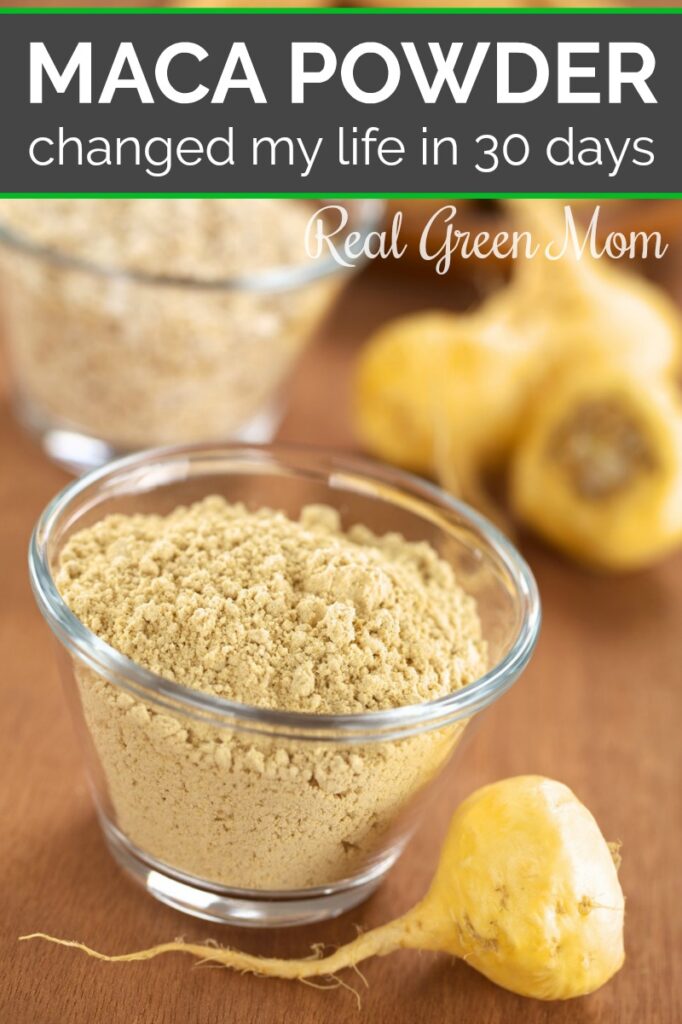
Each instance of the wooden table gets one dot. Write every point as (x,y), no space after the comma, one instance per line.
(599,708)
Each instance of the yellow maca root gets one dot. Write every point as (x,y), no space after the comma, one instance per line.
(396,383)
(588,307)
(451,395)
(465,378)
(598,469)
(484,381)
(526,891)
(439,380)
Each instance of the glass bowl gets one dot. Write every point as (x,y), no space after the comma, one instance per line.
(247,815)
(106,360)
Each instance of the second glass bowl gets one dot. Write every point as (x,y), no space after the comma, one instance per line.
(106,359)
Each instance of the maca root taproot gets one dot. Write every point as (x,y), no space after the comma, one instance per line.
(526,891)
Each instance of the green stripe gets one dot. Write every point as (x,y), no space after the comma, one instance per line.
(340,195)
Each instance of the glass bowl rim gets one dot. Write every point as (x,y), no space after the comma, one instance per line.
(280,278)
(145,684)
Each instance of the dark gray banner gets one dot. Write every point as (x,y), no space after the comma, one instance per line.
(341,103)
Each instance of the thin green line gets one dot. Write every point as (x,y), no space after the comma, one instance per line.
(341,195)
(341,10)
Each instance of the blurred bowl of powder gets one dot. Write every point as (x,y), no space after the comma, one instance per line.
(137,323)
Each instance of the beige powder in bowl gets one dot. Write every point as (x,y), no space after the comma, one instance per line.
(135,363)
(276,613)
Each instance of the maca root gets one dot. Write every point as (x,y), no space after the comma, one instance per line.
(479,906)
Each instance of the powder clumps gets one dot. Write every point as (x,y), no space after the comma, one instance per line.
(278,613)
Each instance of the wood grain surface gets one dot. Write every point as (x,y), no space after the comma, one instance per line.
(599,708)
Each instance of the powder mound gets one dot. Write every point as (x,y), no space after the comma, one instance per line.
(279,613)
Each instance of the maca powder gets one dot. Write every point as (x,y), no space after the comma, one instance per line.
(278,613)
